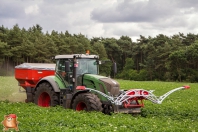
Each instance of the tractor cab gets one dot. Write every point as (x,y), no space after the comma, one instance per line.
(71,68)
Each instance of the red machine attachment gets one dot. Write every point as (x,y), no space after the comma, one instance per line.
(134,98)
(137,100)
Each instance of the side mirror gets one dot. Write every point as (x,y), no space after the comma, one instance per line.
(97,62)
(114,68)
(67,66)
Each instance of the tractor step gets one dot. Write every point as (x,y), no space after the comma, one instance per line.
(65,98)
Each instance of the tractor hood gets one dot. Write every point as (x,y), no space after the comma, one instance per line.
(105,84)
(93,76)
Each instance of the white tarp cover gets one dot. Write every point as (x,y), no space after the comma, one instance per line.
(37,66)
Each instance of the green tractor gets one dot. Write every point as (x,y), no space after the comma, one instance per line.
(76,84)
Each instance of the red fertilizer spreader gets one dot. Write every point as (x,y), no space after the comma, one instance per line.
(28,74)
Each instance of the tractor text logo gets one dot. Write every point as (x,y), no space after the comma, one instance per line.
(10,122)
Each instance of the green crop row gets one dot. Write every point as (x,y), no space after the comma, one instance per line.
(178,113)
(33,118)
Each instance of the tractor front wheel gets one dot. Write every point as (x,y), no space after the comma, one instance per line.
(87,102)
(45,95)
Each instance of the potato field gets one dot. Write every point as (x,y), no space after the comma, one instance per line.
(177,113)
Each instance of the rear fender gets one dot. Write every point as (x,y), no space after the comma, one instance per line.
(51,81)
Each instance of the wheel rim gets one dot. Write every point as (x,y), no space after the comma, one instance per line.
(81,106)
(44,100)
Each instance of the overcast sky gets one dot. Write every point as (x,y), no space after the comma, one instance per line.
(103,18)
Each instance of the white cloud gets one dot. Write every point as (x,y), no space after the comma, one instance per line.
(187,10)
(94,30)
(103,18)
(32,10)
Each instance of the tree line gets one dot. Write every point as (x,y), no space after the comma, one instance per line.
(165,58)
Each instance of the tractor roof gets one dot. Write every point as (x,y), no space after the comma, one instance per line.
(77,55)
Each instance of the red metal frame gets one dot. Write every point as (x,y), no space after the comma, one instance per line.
(138,102)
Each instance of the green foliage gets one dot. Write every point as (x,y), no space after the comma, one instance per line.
(129,73)
(33,118)
(142,76)
(161,57)
(129,64)
(99,49)
(3,50)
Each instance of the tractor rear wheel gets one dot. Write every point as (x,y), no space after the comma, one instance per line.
(87,102)
(45,95)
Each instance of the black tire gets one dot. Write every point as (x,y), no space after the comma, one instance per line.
(45,95)
(107,109)
(87,102)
